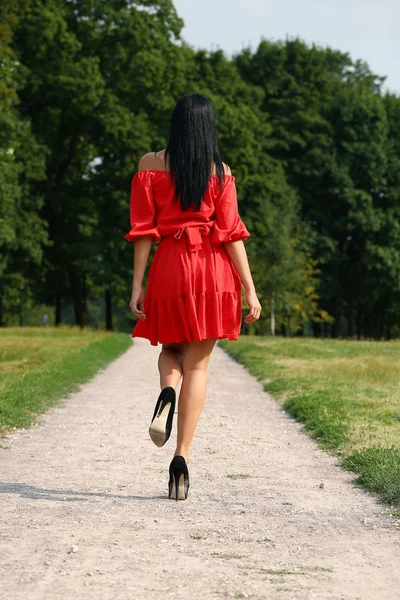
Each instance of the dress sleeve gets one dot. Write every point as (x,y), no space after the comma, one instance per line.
(142,209)
(228,227)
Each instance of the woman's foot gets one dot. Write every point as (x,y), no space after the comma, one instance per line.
(161,424)
(178,485)
(183,452)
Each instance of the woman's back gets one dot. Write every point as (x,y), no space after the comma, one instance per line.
(154,161)
(155,210)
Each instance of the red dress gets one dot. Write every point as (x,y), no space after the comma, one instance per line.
(193,291)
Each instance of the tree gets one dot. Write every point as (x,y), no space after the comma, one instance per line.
(93,72)
(23,234)
(89,87)
(329,129)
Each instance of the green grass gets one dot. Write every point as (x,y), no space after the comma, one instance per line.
(346,393)
(38,366)
(379,471)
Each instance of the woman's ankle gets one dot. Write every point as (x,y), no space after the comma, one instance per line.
(169,385)
(181,451)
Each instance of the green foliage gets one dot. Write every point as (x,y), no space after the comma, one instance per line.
(86,88)
(324,416)
(95,119)
(379,471)
(330,131)
(23,233)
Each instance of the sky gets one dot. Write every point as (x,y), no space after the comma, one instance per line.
(366,29)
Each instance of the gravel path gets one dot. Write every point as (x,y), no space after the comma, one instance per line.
(84,511)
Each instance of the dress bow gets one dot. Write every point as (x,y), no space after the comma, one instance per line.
(194,234)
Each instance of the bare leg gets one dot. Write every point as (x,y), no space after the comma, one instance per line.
(170,364)
(191,399)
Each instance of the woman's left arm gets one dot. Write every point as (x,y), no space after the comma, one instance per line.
(142,249)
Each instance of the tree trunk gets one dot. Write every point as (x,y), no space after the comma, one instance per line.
(365,326)
(85,310)
(78,293)
(273,313)
(75,294)
(369,328)
(109,323)
(21,313)
(358,324)
(350,321)
(336,324)
(58,302)
(383,317)
(380,326)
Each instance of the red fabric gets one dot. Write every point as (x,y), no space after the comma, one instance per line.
(193,290)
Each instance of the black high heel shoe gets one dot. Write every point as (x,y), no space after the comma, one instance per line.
(161,424)
(178,485)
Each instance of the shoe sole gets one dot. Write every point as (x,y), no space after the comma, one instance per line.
(157,429)
(181,488)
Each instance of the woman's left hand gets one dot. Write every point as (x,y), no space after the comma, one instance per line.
(137,300)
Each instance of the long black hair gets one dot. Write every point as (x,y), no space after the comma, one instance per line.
(192,149)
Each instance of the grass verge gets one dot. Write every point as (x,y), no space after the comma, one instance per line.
(346,393)
(25,395)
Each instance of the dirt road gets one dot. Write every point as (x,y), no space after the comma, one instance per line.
(84,511)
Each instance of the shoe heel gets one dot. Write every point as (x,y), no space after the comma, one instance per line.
(172,488)
(158,428)
(161,424)
(178,479)
(178,487)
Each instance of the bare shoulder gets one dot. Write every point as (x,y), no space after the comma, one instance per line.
(227,169)
(152,161)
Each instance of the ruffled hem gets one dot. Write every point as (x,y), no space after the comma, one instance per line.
(232,337)
(135,234)
(198,317)
(236,233)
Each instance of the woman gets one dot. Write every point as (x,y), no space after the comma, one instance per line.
(184,197)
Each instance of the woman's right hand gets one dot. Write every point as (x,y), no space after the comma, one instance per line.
(254,306)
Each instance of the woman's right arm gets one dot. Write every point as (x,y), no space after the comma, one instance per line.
(238,255)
